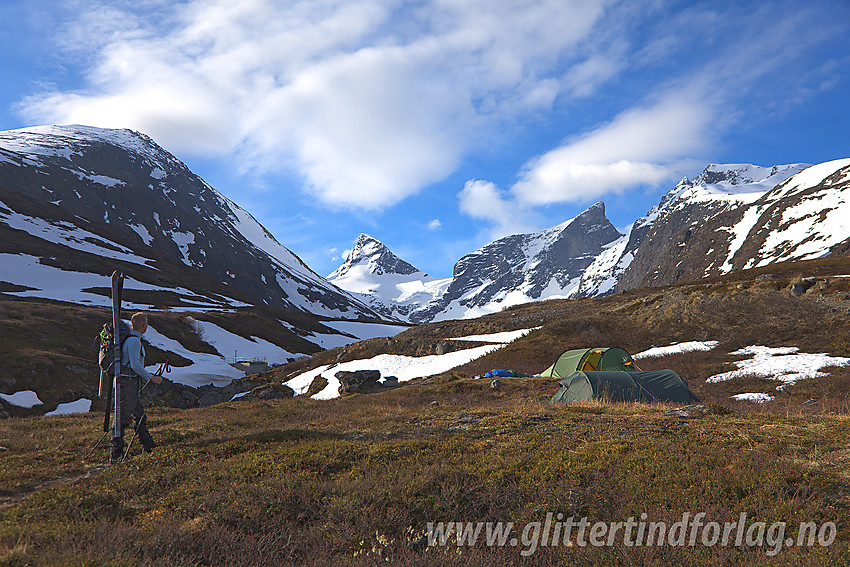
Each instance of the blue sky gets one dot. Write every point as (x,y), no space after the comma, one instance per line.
(437,126)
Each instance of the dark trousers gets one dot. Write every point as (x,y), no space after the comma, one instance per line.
(132,412)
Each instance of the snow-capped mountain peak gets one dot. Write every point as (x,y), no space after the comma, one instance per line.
(739,182)
(718,188)
(371,256)
(511,270)
(390,285)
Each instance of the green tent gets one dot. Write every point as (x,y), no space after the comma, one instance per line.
(600,358)
(618,386)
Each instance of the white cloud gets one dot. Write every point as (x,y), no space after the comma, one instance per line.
(484,200)
(679,120)
(435,224)
(638,147)
(367,100)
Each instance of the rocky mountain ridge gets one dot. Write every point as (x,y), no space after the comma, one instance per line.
(729,217)
(514,269)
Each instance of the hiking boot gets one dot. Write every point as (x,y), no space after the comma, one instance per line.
(145,438)
(116,451)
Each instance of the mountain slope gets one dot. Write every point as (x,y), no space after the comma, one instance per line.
(526,267)
(711,229)
(77,203)
(718,187)
(731,216)
(72,184)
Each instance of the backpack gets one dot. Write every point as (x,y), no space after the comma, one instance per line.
(103,342)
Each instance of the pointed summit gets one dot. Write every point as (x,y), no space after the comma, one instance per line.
(390,285)
(371,256)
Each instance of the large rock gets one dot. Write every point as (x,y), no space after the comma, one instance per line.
(356,381)
(273,391)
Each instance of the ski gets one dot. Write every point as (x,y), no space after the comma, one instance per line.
(117,288)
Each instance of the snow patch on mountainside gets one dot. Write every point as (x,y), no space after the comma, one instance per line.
(784,364)
(809,228)
(22,399)
(602,274)
(69,235)
(49,282)
(503,337)
(230,344)
(676,348)
(204,368)
(194,224)
(83,405)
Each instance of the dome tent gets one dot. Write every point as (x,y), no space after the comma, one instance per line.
(619,386)
(593,359)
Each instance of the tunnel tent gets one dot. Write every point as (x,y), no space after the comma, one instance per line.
(593,359)
(619,386)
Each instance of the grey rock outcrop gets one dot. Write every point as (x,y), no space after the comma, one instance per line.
(356,381)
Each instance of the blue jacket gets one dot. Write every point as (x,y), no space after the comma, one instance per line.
(133,355)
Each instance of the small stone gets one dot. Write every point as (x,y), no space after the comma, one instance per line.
(496,384)
(687,411)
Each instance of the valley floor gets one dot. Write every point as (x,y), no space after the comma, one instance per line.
(386,477)
(358,480)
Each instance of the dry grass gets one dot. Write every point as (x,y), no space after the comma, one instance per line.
(354,481)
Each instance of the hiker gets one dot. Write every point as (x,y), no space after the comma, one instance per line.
(132,410)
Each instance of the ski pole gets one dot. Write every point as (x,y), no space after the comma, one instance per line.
(97,444)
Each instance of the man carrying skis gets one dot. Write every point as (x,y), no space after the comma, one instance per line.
(133,359)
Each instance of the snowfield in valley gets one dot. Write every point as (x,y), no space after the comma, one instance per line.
(785,364)
(402,367)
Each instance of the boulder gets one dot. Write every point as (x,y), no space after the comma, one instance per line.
(798,289)
(273,391)
(352,382)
